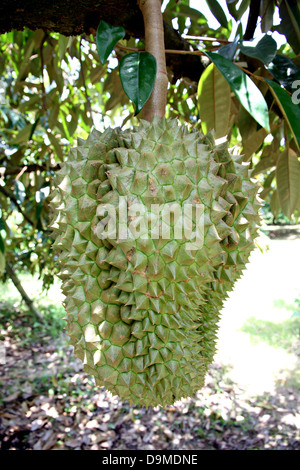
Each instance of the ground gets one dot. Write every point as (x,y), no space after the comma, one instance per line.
(250,400)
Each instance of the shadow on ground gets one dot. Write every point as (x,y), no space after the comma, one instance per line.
(48,402)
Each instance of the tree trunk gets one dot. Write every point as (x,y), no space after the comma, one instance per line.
(12,274)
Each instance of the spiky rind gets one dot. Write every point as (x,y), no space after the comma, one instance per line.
(143,312)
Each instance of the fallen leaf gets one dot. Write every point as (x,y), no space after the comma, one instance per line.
(51,441)
(11,397)
(73,443)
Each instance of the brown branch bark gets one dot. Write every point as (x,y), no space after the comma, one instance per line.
(58,16)
(154,43)
(167,51)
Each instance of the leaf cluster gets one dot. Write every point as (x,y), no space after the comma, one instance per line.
(53,89)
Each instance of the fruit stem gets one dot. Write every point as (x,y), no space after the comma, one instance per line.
(155,44)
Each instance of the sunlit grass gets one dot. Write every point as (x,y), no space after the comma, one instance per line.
(284,334)
(278,334)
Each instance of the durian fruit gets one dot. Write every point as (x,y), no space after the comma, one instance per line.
(143,311)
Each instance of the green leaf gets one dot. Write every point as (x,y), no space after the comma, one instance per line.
(2,263)
(106,38)
(38,37)
(218,12)
(239,31)
(246,124)
(55,74)
(182,18)
(30,104)
(287,179)
(33,128)
(2,246)
(284,71)
(214,101)
(237,13)
(228,50)
(38,212)
(56,146)
(290,111)
(54,110)
(23,67)
(137,73)
(253,143)
(64,123)
(275,204)
(63,42)
(289,11)
(268,158)
(192,13)
(244,88)
(22,136)
(263,165)
(267,9)
(267,185)
(264,50)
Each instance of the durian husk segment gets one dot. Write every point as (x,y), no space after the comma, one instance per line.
(142,314)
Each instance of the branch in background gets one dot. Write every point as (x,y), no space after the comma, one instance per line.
(252,19)
(155,44)
(14,200)
(84,84)
(14,170)
(205,39)
(12,274)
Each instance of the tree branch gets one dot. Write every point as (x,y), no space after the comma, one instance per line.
(252,19)
(154,42)
(12,274)
(58,16)
(167,51)
(14,200)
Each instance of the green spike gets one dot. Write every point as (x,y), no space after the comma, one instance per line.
(125,281)
(117,258)
(139,283)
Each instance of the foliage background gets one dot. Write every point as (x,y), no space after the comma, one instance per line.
(53,89)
